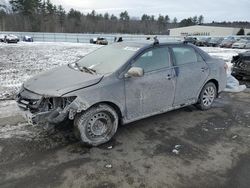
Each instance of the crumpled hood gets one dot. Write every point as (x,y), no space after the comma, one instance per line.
(61,80)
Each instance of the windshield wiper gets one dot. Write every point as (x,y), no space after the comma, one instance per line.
(91,71)
(86,69)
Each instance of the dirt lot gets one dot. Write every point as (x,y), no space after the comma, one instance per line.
(182,148)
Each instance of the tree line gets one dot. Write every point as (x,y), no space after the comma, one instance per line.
(44,16)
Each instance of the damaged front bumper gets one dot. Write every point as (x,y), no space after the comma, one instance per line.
(38,109)
(54,117)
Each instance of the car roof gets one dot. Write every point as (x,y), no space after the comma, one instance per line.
(143,44)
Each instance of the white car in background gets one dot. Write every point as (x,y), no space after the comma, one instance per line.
(2,36)
(242,43)
(9,38)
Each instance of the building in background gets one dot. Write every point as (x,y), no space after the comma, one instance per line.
(200,30)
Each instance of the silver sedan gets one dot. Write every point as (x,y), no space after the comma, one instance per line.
(122,83)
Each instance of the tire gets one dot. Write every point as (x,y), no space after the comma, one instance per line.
(207,96)
(97,125)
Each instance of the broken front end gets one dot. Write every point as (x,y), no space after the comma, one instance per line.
(40,109)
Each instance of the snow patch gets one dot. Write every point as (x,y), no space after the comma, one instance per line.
(9,108)
(21,61)
(233,85)
(17,131)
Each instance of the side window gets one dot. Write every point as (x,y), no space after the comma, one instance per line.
(153,59)
(199,58)
(185,55)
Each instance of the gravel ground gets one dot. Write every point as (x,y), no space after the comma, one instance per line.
(182,148)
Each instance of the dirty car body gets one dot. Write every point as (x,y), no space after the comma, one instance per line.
(121,83)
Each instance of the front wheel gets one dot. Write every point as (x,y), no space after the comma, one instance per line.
(97,125)
(207,96)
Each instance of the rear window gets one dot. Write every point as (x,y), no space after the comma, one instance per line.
(185,55)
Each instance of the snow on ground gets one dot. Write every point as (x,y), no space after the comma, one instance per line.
(19,62)
(8,108)
(17,131)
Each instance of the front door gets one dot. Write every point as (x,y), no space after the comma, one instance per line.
(154,91)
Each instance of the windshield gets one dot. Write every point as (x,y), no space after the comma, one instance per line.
(215,39)
(108,59)
(204,39)
(242,40)
(228,40)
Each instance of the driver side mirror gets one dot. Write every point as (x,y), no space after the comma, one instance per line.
(134,72)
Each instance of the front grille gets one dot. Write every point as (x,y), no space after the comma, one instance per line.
(28,100)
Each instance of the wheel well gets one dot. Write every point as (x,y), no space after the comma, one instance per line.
(113,105)
(215,83)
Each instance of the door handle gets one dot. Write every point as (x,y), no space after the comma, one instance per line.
(204,69)
(169,76)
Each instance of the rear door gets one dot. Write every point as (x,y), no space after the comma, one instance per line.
(154,91)
(191,73)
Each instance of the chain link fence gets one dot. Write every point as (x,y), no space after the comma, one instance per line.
(84,38)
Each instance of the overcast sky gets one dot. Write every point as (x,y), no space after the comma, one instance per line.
(217,10)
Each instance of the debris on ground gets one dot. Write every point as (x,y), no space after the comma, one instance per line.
(219,128)
(177,146)
(110,147)
(234,137)
(205,129)
(176,149)
(108,166)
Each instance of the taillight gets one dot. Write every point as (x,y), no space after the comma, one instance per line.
(225,67)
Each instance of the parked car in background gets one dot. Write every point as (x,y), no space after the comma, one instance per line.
(121,83)
(215,41)
(9,38)
(99,40)
(241,65)
(227,42)
(191,40)
(242,43)
(2,36)
(202,41)
(27,39)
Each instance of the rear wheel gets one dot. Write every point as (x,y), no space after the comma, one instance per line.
(207,96)
(97,125)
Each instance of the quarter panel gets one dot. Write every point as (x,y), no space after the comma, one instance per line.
(110,89)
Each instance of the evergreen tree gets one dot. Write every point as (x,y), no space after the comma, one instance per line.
(124,16)
(195,20)
(241,32)
(200,19)
(25,7)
